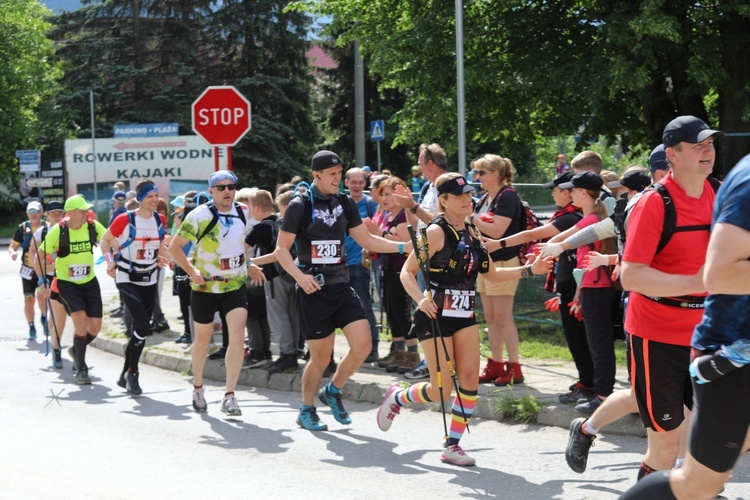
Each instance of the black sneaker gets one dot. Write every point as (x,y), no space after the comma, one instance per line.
(373,357)
(82,377)
(183,339)
(579,444)
(159,327)
(330,369)
(254,361)
(577,392)
(121,381)
(220,354)
(283,364)
(131,384)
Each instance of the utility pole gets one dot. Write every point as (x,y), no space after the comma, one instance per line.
(359,107)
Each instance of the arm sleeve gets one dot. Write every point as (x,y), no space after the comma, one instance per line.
(600,231)
(119,224)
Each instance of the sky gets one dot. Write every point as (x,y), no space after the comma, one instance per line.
(61,5)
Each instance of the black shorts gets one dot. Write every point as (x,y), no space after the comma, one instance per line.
(205,305)
(422,327)
(333,306)
(30,286)
(720,421)
(86,297)
(661,382)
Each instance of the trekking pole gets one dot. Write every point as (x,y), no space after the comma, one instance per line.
(436,327)
(422,265)
(47,301)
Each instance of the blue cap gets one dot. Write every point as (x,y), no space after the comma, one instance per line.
(658,159)
(366,169)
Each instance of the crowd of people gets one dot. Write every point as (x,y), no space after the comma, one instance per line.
(629,257)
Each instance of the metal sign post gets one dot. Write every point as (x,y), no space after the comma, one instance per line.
(377,134)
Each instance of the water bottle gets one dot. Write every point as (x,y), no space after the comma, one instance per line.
(713,366)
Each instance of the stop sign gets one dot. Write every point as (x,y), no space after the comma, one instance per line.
(221,115)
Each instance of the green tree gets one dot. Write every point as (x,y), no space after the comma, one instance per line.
(29,77)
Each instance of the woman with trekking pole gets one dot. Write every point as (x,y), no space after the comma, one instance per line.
(450,254)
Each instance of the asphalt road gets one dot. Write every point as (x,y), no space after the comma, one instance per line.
(65,441)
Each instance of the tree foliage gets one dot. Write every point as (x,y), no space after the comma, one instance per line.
(27,79)
(533,68)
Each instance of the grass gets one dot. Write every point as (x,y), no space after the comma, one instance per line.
(524,409)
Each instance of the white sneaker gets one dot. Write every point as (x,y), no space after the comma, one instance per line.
(199,402)
(456,456)
(389,408)
(230,406)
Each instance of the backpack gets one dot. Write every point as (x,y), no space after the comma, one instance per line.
(131,234)
(27,235)
(529,220)
(215,219)
(275,226)
(458,263)
(670,216)
(307,215)
(63,250)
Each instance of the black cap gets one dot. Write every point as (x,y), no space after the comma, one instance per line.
(54,206)
(566,177)
(635,179)
(325,159)
(456,186)
(585,180)
(658,159)
(687,129)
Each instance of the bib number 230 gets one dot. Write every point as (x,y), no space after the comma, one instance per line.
(325,252)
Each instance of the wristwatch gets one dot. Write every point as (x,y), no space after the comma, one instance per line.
(526,272)
(414,208)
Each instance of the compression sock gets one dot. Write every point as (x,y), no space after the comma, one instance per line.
(417,393)
(460,418)
(413,348)
(400,345)
(80,344)
(654,487)
(89,338)
(644,471)
(136,344)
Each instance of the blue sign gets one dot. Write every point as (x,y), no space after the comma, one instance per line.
(123,131)
(28,155)
(377,130)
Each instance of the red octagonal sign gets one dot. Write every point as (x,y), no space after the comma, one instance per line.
(221,115)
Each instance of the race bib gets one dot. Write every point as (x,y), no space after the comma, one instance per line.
(325,252)
(26,272)
(147,254)
(78,272)
(231,263)
(459,303)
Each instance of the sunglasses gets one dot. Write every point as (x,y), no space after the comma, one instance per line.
(33,211)
(222,187)
(480,173)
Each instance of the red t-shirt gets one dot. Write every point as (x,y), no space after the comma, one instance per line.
(684,254)
(598,277)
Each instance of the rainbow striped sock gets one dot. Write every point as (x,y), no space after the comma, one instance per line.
(460,419)
(417,393)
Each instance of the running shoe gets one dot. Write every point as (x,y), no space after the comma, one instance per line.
(578,391)
(159,327)
(372,357)
(330,369)
(254,361)
(82,377)
(131,384)
(216,352)
(32,333)
(579,444)
(121,381)
(589,407)
(230,406)
(389,408)
(308,419)
(183,339)
(453,454)
(199,402)
(420,372)
(284,363)
(57,359)
(337,406)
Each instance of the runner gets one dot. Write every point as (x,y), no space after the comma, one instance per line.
(218,274)
(29,279)
(131,247)
(455,256)
(75,286)
(325,297)
(46,268)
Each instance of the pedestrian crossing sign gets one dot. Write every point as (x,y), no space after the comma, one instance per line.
(377,130)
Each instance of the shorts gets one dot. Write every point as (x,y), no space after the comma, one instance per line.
(205,305)
(333,306)
(720,421)
(85,297)
(661,382)
(494,288)
(448,326)
(30,286)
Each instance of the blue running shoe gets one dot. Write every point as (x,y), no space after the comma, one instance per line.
(32,332)
(308,419)
(337,407)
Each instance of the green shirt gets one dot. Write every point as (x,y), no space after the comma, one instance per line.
(78,266)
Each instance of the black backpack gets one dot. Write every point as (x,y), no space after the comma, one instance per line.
(275,225)
(63,250)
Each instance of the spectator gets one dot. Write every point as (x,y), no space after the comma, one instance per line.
(417,179)
(561,166)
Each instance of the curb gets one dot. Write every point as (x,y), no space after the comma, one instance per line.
(368,385)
